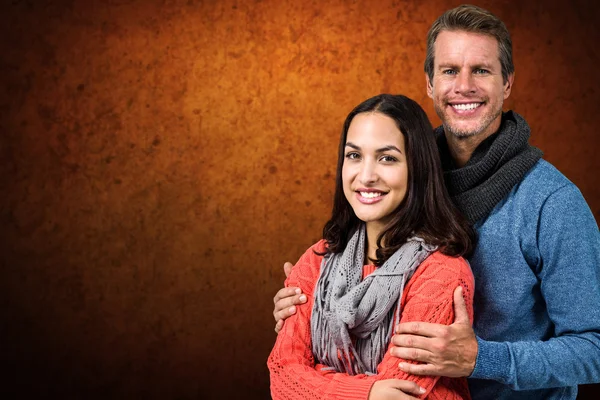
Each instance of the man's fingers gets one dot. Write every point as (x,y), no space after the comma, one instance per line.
(278,326)
(421,329)
(284,313)
(461,315)
(286,306)
(408,353)
(413,341)
(285,292)
(287,268)
(419,369)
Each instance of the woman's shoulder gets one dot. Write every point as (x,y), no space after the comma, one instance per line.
(439,257)
(438,276)
(440,264)
(308,266)
(314,252)
(320,246)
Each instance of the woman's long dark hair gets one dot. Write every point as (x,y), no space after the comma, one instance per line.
(426,210)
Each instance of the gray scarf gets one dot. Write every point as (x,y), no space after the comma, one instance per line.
(496,166)
(346,305)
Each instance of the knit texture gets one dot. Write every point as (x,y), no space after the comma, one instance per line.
(428,296)
(346,305)
(495,167)
(537,298)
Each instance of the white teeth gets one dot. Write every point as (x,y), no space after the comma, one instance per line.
(469,106)
(370,195)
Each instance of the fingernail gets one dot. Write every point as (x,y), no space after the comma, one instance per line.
(303,298)
(421,390)
(402,366)
(292,309)
(298,291)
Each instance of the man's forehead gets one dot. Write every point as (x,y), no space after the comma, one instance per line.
(447,35)
(463,44)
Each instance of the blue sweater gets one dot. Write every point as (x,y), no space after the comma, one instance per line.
(537,296)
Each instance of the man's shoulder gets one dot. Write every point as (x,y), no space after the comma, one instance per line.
(523,205)
(541,181)
(545,175)
(543,188)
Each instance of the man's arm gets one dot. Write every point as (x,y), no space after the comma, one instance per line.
(569,246)
(568,241)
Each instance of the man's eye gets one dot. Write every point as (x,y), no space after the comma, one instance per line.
(481,71)
(449,72)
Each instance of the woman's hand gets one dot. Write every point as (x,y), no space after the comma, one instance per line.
(395,389)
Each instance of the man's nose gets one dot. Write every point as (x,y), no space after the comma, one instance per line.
(465,83)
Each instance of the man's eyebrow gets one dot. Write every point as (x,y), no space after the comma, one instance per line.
(482,66)
(447,65)
(475,66)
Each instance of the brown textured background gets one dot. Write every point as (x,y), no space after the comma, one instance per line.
(160,160)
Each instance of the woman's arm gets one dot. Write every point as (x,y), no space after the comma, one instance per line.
(427,297)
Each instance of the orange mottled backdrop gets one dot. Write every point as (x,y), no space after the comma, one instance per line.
(161,159)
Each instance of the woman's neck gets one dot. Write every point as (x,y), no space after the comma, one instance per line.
(373,231)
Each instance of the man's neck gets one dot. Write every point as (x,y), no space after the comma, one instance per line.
(462,148)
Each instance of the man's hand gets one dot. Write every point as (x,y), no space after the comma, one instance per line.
(444,350)
(287,268)
(395,389)
(286,300)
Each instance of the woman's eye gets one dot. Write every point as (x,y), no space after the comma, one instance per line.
(388,159)
(352,156)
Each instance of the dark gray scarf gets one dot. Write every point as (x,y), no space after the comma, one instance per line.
(496,166)
(346,305)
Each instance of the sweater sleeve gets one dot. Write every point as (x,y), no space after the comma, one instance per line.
(427,297)
(569,248)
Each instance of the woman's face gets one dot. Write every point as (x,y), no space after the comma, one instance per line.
(375,172)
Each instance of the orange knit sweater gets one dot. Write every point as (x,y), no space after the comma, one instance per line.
(428,296)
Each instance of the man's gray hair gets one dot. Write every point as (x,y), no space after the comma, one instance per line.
(474,19)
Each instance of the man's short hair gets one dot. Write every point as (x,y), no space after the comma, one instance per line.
(474,19)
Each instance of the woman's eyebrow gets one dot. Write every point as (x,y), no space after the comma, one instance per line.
(388,148)
(379,150)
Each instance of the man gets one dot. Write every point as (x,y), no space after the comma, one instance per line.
(536,333)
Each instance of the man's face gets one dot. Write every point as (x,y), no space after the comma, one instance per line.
(467,87)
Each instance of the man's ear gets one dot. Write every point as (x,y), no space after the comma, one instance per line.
(429,86)
(508,85)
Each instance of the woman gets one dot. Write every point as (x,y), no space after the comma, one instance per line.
(391,251)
